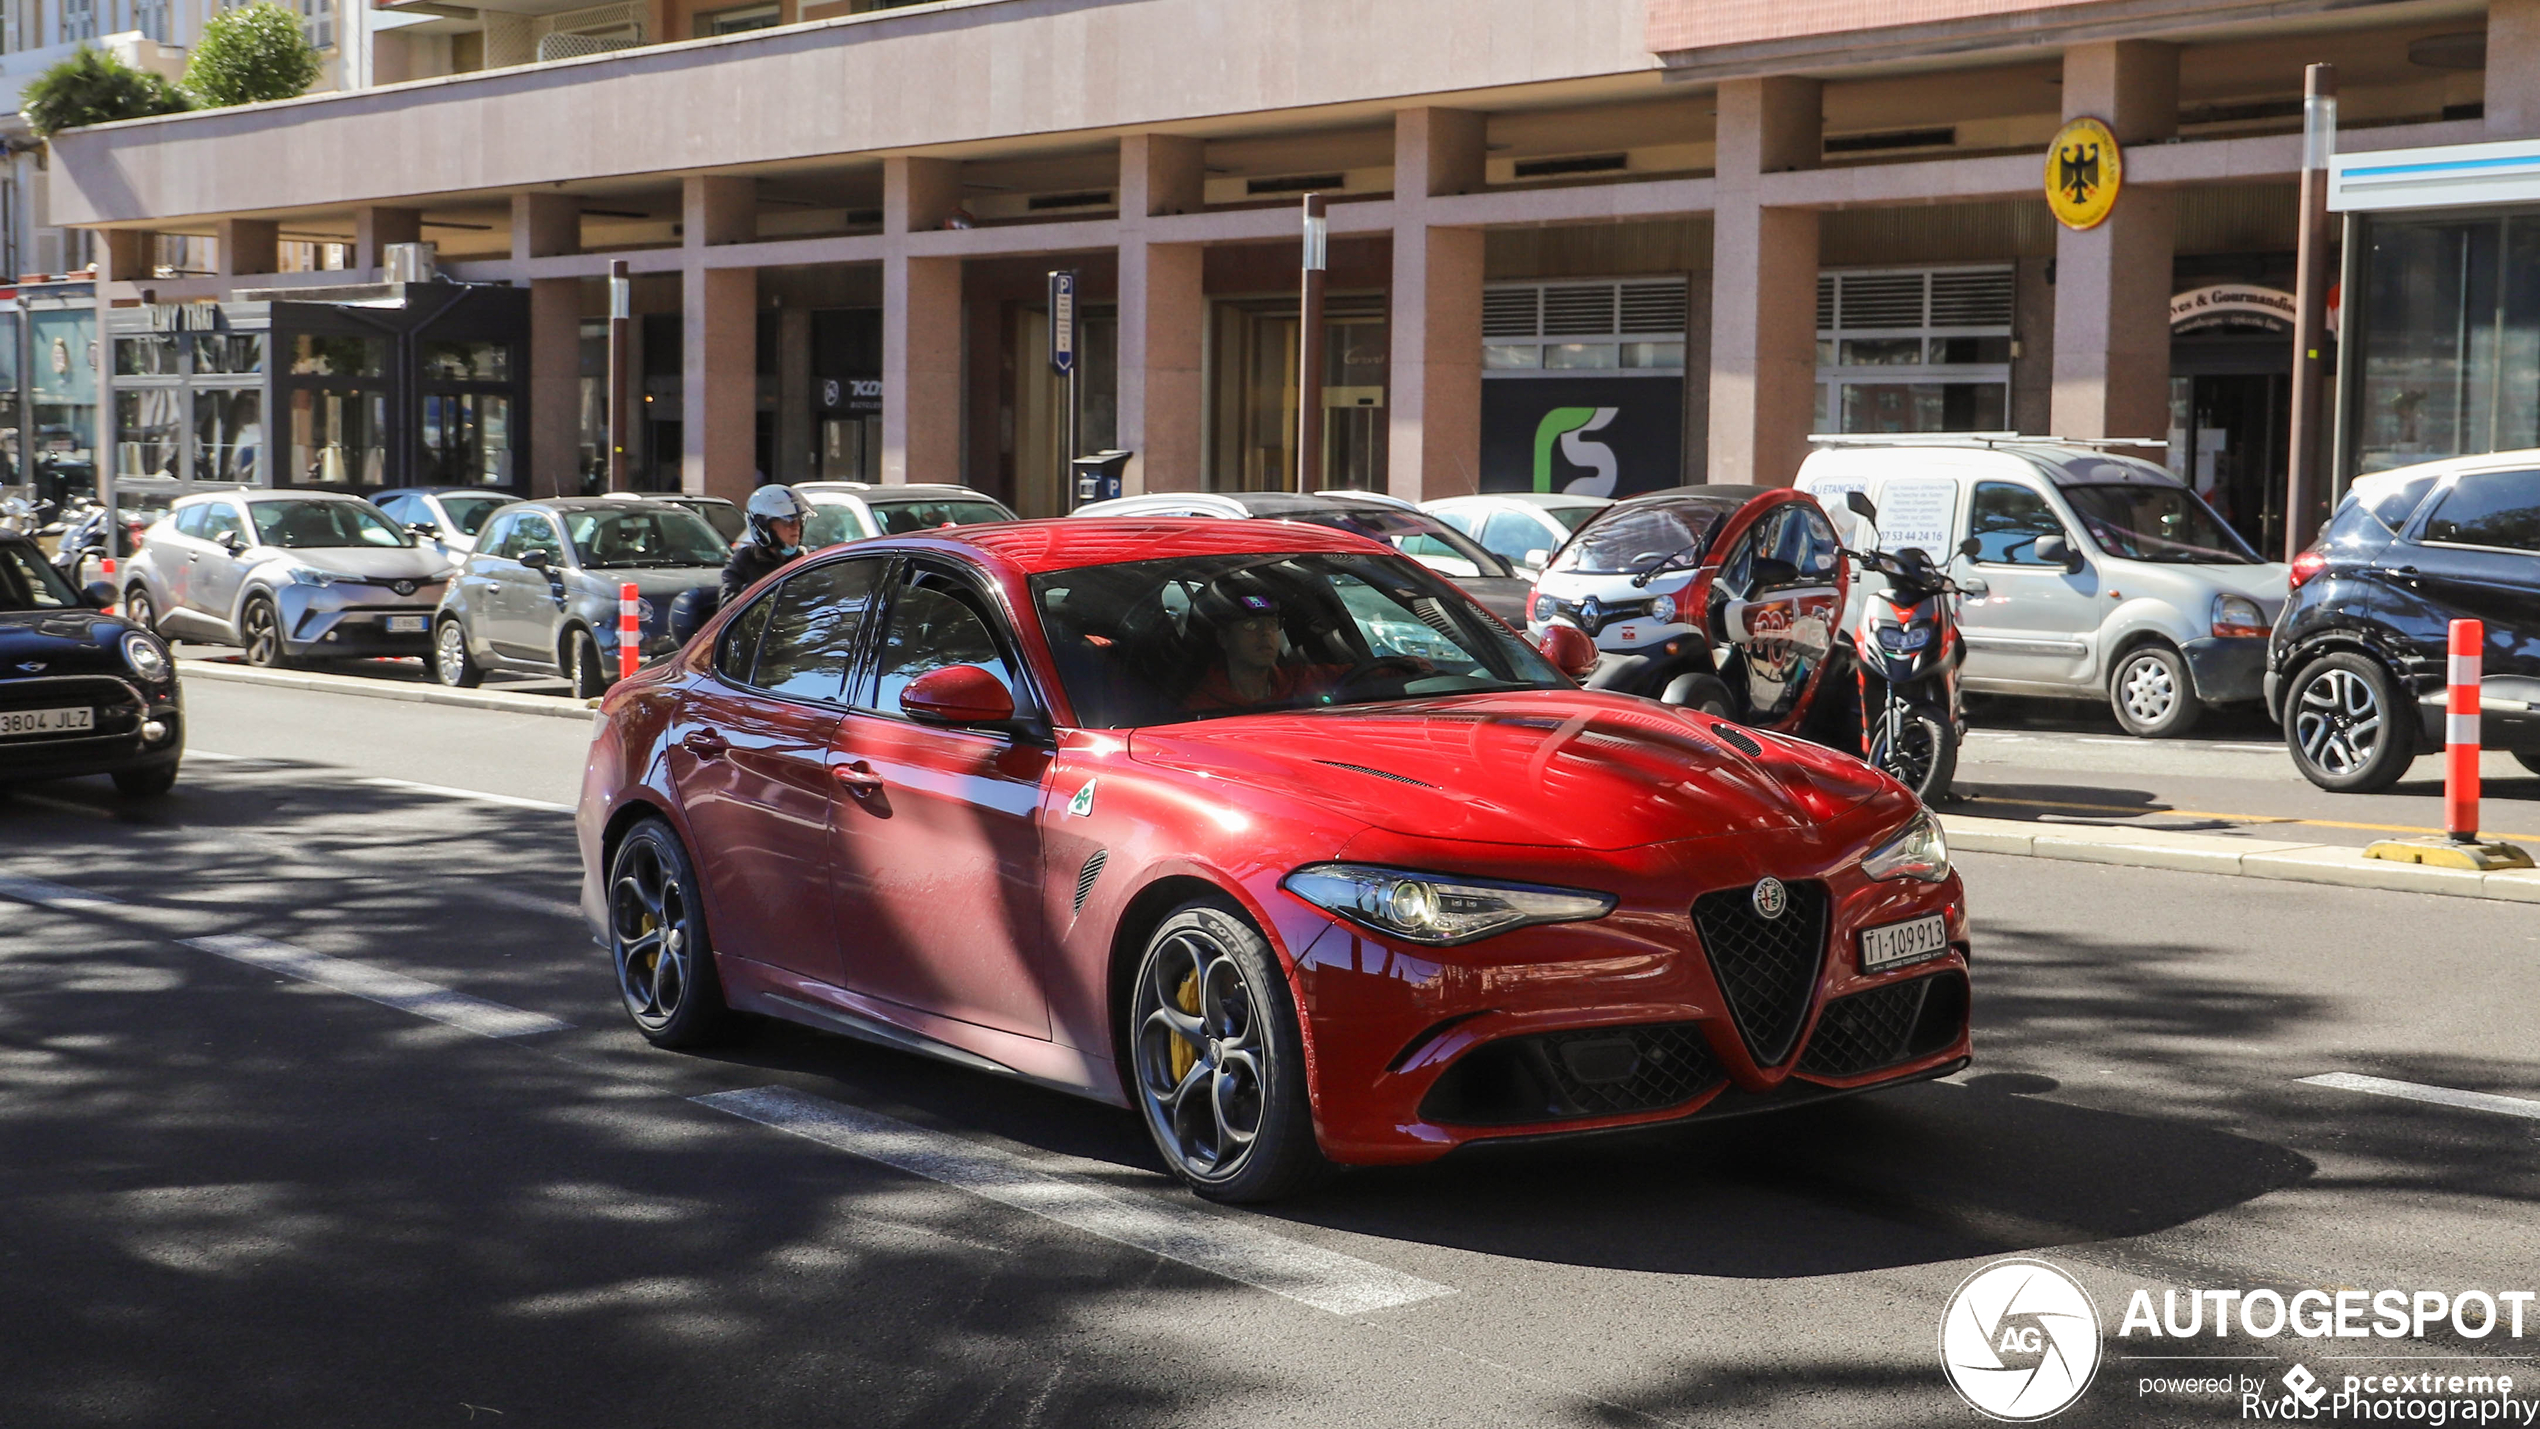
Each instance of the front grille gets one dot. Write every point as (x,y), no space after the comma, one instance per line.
(1887,1025)
(118,712)
(1613,612)
(1565,1076)
(1766,967)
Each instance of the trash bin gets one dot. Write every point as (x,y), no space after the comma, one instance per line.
(1098,475)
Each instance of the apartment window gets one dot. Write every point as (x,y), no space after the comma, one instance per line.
(152,18)
(1584,327)
(317,22)
(735,21)
(1914,350)
(79,20)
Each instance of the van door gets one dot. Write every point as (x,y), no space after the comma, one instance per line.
(2031,628)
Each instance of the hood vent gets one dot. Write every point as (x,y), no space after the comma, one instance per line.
(1085,877)
(1378,773)
(1740,739)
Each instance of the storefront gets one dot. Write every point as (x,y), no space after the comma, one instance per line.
(2231,388)
(1583,386)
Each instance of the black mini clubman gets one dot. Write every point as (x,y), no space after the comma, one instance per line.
(81,691)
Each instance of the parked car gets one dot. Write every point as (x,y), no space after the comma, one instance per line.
(1397,523)
(2357,667)
(455,513)
(286,575)
(1371,880)
(2097,575)
(727,519)
(81,691)
(540,594)
(1522,528)
(854,510)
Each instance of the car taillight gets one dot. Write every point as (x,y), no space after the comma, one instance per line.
(2308,564)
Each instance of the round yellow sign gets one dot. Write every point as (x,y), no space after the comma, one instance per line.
(2084,170)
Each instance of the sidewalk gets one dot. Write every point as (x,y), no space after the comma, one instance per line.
(505,701)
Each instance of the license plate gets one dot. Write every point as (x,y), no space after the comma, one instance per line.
(23,722)
(408,624)
(1896,944)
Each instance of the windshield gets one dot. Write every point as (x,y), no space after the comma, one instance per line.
(1161,642)
(2145,522)
(468,513)
(1633,538)
(723,516)
(27,583)
(1572,517)
(898,518)
(1417,534)
(309,525)
(656,535)
(828,524)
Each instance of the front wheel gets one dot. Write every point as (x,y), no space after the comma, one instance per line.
(138,609)
(2346,726)
(1218,1061)
(2529,761)
(658,942)
(2152,695)
(582,666)
(1917,746)
(452,665)
(260,626)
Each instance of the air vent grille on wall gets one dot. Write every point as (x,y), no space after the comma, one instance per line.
(1975,297)
(1934,297)
(1891,139)
(1579,164)
(1654,307)
(1295,184)
(1579,309)
(1869,300)
(1510,312)
(1096,198)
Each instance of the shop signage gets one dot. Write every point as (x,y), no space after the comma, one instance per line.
(2232,305)
(851,396)
(2084,170)
(1062,322)
(1597,436)
(184,317)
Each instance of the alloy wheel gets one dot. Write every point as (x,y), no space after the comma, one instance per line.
(2337,721)
(652,935)
(264,634)
(1202,1059)
(450,649)
(2147,689)
(138,610)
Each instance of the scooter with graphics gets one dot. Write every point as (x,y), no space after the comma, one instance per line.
(1905,655)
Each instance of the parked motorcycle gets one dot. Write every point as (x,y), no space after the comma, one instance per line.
(83,539)
(1906,653)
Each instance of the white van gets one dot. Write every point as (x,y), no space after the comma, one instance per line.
(2096,574)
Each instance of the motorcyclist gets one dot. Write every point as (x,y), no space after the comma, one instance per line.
(775,536)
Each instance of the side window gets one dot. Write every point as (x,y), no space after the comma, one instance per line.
(1509,535)
(934,623)
(219,517)
(189,521)
(1459,517)
(2489,508)
(2400,502)
(1807,542)
(2007,519)
(535,533)
(400,508)
(1737,573)
(812,622)
(737,648)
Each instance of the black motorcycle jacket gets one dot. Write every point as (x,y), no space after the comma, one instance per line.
(750,560)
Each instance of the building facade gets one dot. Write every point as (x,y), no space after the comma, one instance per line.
(1617,244)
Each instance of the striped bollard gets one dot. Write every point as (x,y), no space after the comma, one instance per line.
(630,630)
(106,572)
(2460,733)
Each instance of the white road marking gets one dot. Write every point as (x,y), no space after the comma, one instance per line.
(2419,1092)
(2250,748)
(526,902)
(53,895)
(389,989)
(509,801)
(1220,1245)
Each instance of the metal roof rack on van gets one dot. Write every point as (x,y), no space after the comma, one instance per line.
(1961,439)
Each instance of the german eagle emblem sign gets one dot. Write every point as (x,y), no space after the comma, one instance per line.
(2084,170)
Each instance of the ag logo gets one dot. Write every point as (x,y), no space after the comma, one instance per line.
(1771,898)
(2020,1340)
(1568,426)
(2084,170)
(2305,1385)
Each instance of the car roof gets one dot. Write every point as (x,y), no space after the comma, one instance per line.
(616,502)
(446,491)
(881,491)
(1546,499)
(275,493)
(1064,543)
(680,498)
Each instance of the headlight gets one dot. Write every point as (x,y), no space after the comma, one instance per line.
(2238,615)
(302,575)
(1915,851)
(1903,639)
(1431,908)
(1663,610)
(145,656)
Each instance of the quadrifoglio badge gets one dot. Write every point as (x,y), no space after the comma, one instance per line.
(2021,1341)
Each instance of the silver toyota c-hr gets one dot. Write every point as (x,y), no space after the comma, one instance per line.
(287,575)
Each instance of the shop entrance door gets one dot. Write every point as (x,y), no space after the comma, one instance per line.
(1255,394)
(2230,417)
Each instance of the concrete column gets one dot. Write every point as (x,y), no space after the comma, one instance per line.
(1433,419)
(1763,285)
(248,246)
(2112,282)
(2513,68)
(375,228)
(1163,317)
(545,225)
(127,255)
(793,395)
(921,325)
(718,360)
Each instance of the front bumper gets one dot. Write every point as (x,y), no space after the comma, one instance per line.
(351,620)
(1621,1022)
(2227,669)
(124,711)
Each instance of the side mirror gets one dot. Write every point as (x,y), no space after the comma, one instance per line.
(1568,648)
(100,594)
(957,694)
(2057,550)
(534,558)
(1970,548)
(1859,504)
(1772,573)
(424,529)
(691,610)
(230,541)
(1537,558)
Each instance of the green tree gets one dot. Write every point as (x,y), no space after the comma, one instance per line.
(93,87)
(250,54)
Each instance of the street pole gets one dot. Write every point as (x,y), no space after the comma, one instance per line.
(1309,353)
(2303,487)
(621,309)
(1062,358)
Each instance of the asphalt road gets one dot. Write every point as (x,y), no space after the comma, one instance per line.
(259,1164)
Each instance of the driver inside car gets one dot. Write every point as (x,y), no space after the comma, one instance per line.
(1242,616)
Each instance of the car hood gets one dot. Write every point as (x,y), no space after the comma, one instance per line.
(651,582)
(64,642)
(1500,596)
(1566,769)
(370,563)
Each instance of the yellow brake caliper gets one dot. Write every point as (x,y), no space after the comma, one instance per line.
(1184,1054)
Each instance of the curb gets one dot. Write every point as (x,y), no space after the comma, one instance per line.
(547,705)
(2245,858)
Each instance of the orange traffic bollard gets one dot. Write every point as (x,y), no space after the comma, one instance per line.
(2461,748)
(630,629)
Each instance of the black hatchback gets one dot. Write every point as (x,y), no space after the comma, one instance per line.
(81,691)
(2357,663)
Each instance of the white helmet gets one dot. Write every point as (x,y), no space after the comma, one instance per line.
(774,503)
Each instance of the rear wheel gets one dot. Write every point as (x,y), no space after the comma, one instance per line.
(452,665)
(1218,1061)
(260,626)
(657,940)
(1706,693)
(2152,695)
(2347,728)
(1917,747)
(2529,761)
(582,665)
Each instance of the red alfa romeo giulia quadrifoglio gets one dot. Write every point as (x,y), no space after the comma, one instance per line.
(1263,830)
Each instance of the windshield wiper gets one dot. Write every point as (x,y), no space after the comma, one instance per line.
(1662,566)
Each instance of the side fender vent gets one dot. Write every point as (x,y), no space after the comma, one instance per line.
(1739,738)
(1085,876)
(1379,773)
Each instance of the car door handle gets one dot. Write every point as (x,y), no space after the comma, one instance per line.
(857,777)
(706,744)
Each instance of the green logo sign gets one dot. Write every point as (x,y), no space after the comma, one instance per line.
(1568,426)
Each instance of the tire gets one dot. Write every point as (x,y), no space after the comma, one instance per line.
(140,609)
(1706,693)
(452,665)
(2529,761)
(147,783)
(260,630)
(1222,1089)
(1924,756)
(2152,695)
(582,665)
(2348,731)
(658,944)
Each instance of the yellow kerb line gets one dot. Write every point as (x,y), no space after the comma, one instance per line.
(2116,812)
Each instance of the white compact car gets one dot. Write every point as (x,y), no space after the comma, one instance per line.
(1522,528)
(2096,574)
(853,510)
